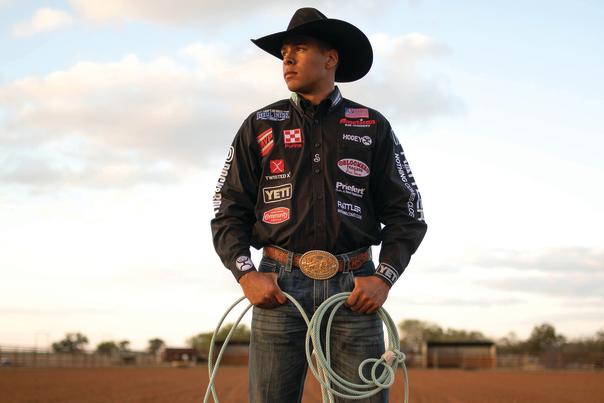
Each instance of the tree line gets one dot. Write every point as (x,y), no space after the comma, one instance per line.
(413,334)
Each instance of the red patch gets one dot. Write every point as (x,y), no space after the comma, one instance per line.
(277,166)
(293,138)
(265,141)
(276,215)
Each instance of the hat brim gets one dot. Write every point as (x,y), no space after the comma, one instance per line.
(354,49)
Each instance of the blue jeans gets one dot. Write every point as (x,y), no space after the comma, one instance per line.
(277,365)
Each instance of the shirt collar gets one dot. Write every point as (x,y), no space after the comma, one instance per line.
(333,99)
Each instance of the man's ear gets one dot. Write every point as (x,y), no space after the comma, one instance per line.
(332,59)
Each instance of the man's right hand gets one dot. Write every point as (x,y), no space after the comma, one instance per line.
(261,289)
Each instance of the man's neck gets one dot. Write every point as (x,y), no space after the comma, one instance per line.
(316,97)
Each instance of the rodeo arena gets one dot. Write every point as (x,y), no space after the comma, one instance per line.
(438,371)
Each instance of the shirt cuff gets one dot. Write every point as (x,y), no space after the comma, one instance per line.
(387,273)
(242,265)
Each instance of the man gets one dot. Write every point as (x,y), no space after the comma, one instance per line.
(310,180)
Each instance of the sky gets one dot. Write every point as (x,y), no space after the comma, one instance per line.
(116,116)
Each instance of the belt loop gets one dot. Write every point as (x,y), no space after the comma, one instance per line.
(346,260)
(290,261)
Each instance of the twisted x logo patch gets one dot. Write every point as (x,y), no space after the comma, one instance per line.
(277,166)
(293,138)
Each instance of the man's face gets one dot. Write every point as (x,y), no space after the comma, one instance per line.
(307,66)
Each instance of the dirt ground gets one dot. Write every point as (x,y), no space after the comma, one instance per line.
(180,385)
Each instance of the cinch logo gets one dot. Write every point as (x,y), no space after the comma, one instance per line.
(353,167)
(276,215)
(277,193)
(277,166)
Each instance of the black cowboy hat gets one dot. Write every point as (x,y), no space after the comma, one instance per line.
(354,49)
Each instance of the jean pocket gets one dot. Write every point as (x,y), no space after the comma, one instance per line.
(268,266)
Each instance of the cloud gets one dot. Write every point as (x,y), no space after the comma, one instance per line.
(133,121)
(210,13)
(44,19)
(552,260)
(569,272)
(396,84)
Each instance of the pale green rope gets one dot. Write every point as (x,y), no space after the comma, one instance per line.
(321,365)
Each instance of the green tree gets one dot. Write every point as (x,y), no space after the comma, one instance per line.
(72,343)
(543,338)
(124,346)
(107,348)
(155,345)
(415,332)
(201,342)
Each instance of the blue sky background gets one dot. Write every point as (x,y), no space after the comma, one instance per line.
(114,122)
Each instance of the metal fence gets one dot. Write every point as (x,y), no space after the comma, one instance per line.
(39,358)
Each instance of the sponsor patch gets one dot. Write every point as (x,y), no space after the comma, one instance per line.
(350,210)
(285,175)
(357,123)
(276,215)
(365,140)
(265,141)
(356,113)
(275,194)
(272,114)
(353,167)
(293,138)
(217,198)
(244,263)
(277,166)
(350,189)
(387,272)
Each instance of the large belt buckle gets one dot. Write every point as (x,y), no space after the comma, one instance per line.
(318,264)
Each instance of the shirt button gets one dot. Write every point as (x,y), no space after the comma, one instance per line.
(319,225)
(320,197)
(317,170)
(317,145)
(316,121)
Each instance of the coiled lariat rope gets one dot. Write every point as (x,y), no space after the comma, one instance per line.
(331,383)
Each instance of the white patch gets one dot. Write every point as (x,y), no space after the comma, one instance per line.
(353,167)
(244,263)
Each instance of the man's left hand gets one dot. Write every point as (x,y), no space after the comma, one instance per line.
(368,295)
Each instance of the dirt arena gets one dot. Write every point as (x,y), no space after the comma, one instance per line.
(180,385)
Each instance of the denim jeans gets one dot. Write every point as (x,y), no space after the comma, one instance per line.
(277,365)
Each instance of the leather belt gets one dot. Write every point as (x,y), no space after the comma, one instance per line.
(317,264)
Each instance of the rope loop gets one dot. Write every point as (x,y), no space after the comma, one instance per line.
(331,382)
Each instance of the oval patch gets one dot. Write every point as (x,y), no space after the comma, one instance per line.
(276,215)
(353,167)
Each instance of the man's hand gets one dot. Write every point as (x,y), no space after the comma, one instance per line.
(261,289)
(368,295)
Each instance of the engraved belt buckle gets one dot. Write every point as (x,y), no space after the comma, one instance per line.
(318,264)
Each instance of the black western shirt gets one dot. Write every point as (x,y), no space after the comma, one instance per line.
(326,177)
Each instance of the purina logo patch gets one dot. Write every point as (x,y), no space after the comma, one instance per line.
(354,167)
(276,215)
(265,141)
(277,166)
(293,138)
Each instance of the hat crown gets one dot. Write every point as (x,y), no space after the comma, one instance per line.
(304,16)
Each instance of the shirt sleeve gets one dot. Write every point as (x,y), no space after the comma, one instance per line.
(234,202)
(398,206)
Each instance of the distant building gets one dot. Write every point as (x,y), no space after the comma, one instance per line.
(236,353)
(461,354)
(171,354)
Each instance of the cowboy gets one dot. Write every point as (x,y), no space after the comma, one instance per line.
(315,180)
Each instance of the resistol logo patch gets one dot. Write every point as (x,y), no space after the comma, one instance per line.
(275,194)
